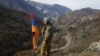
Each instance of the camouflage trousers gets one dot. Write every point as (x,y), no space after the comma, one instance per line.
(45,49)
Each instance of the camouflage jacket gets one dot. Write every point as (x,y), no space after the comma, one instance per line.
(47,33)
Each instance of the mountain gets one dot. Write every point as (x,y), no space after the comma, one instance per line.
(50,10)
(39,9)
(21,5)
(15,31)
(82,28)
(75,18)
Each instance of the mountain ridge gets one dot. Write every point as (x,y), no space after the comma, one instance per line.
(51,10)
(21,5)
(27,6)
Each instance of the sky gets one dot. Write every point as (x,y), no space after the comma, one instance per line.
(74,4)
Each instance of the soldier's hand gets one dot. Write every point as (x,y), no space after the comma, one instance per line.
(36,50)
(44,42)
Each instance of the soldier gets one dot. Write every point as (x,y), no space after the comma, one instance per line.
(47,34)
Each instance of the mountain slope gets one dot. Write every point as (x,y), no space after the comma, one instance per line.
(21,5)
(15,31)
(50,10)
(83,28)
(39,9)
(75,18)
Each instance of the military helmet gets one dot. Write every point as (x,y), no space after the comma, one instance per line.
(46,19)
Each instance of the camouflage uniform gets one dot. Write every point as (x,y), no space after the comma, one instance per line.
(47,37)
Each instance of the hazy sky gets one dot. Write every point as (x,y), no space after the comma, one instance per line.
(74,4)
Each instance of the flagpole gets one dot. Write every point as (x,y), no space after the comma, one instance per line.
(35,34)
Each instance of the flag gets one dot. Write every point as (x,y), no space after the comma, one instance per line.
(35,32)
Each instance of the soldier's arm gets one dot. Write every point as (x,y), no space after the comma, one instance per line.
(43,31)
(47,35)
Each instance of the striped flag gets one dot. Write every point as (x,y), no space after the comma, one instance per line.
(35,32)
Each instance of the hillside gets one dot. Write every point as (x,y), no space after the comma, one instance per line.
(39,9)
(74,18)
(51,11)
(83,28)
(15,31)
(21,5)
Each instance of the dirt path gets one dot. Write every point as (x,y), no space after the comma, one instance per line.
(63,47)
